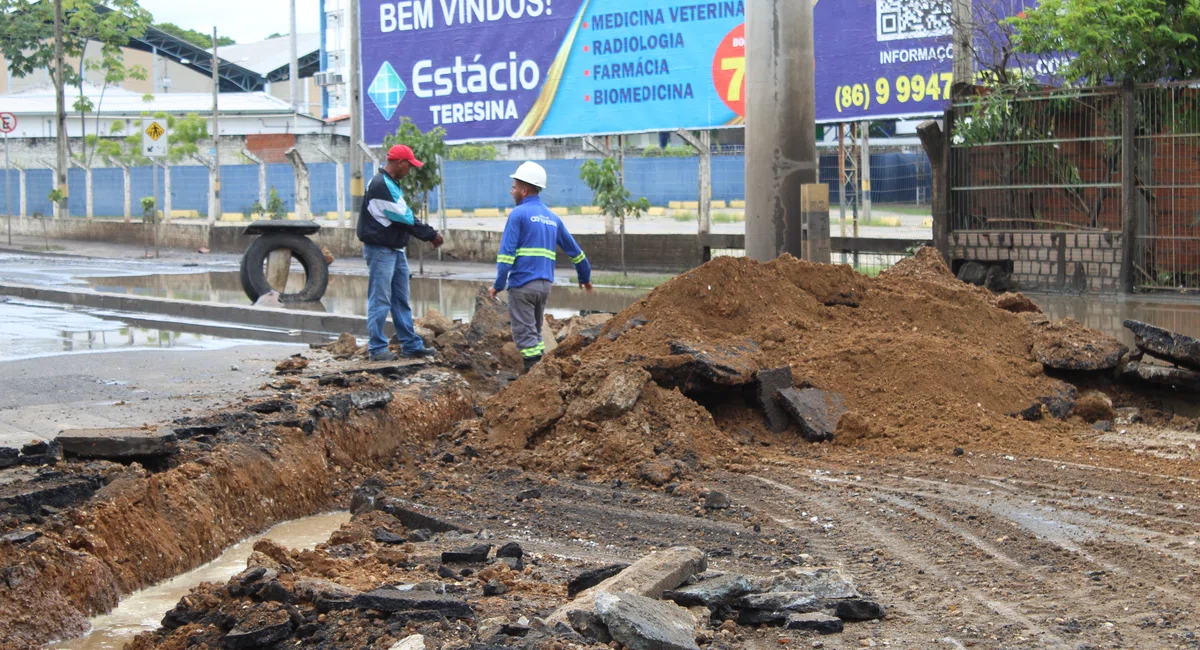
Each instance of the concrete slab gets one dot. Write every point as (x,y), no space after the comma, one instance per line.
(117,444)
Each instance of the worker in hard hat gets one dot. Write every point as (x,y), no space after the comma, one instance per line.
(525,265)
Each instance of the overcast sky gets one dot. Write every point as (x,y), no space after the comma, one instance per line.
(242,20)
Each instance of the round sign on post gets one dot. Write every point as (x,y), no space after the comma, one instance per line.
(8,123)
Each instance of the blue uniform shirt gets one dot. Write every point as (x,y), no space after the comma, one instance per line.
(527,247)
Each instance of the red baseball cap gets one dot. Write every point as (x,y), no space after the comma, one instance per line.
(404,152)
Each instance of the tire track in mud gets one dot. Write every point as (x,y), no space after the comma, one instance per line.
(924,557)
(1131,588)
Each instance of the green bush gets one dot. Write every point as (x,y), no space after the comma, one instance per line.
(273,210)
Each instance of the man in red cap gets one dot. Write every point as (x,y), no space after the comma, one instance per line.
(385,225)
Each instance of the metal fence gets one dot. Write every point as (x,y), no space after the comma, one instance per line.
(1040,161)
(1052,161)
(1168,187)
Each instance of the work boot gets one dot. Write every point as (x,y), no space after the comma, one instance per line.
(384,355)
(423,353)
(530,362)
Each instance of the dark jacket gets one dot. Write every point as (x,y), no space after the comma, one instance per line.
(386,219)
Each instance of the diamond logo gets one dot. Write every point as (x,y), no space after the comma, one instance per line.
(387,90)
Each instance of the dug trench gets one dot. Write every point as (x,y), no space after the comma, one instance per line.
(753,455)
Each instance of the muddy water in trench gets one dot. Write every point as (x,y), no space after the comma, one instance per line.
(347,294)
(1108,314)
(143,611)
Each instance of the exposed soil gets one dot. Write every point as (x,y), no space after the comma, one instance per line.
(974,527)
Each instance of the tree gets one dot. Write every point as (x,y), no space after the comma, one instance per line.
(29,28)
(194,37)
(428,147)
(1139,41)
(610,195)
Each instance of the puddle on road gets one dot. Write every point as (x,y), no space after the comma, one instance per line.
(347,294)
(35,329)
(142,611)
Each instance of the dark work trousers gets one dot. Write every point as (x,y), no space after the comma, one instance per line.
(527,308)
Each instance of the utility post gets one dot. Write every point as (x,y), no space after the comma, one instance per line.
(356,117)
(865,173)
(294,64)
(780,124)
(702,144)
(60,107)
(963,26)
(214,174)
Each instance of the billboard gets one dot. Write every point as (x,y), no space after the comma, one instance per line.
(511,69)
(506,69)
(879,59)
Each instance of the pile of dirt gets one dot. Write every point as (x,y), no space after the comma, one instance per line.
(919,359)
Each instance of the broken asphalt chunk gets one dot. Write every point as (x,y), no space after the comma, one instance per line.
(1155,375)
(1068,345)
(394,600)
(593,577)
(712,593)
(631,324)
(724,365)
(475,553)
(857,609)
(767,384)
(258,631)
(387,537)
(511,549)
(819,582)
(118,444)
(815,622)
(20,537)
(815,412)
(370,399)
(412,518)
(641,623)
(1058,406)
(1166,345)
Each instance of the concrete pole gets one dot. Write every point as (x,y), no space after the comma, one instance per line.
(842,175)
(214,173)
(780,124)
(865,173)
(705,220)
(60,107)
(300,168)
(262,175)
(963,25)
(294,65)
(356,117)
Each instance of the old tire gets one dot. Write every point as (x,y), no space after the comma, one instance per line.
(316,271)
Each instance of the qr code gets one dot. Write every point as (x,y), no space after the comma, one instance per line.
(902,19)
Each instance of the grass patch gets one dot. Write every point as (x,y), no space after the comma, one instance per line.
(44,249)
(685,216)
(726,217)
(574,209)
(876,222)
(900,208)
(635,281)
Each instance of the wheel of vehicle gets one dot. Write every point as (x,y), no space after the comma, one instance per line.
(253,268)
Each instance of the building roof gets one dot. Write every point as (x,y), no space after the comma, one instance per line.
(118,102)
(273,55)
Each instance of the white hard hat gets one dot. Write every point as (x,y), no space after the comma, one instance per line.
(532,173)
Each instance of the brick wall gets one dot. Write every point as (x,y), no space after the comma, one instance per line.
(270,147)
(1072,262)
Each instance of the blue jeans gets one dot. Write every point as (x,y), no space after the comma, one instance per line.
(387,291)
